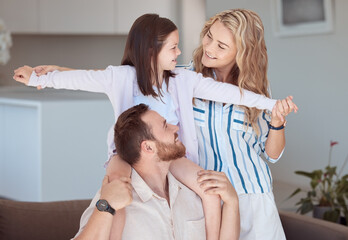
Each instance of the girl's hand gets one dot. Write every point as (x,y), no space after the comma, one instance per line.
(23,74)
(281,109)
(44,69)
(217,183)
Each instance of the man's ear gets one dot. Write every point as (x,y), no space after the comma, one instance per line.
(147,146)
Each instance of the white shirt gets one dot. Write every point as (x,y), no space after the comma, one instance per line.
(119,83)
(150,217)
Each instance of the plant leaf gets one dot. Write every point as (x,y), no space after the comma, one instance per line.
(294,193)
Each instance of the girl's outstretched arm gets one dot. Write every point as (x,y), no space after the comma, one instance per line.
(186,172)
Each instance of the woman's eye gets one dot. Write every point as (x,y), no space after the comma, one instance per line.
(221,47)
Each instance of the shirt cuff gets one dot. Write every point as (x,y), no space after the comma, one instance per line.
(35,81)
(272,160)
(270,104)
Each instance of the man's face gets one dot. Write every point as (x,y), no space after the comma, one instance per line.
(169,147)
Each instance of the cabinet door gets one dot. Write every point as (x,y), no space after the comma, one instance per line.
(20,16)
(127,11)
(76,16)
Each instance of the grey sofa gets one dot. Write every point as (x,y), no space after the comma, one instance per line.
(60,220)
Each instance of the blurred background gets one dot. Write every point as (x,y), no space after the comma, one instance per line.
(53,144)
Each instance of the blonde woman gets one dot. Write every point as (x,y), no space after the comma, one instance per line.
(232,137)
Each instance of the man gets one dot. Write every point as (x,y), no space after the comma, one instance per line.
(162,207)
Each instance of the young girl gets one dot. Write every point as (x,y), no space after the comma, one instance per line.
(148,75)
(231,137)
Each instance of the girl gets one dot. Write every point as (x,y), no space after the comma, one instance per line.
(232,137)
(148,75)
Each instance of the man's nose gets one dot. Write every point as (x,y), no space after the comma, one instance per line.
(174,127)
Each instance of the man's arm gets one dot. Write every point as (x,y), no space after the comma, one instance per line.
(217,183)
(118,193)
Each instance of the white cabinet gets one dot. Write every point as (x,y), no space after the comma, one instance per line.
(52,144)
(76,16)
(80,16)
(20,15)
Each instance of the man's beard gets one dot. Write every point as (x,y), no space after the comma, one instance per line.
(171,151)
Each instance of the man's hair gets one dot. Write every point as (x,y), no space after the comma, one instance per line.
(130,132)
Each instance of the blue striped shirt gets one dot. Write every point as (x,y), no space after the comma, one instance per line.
(227,144)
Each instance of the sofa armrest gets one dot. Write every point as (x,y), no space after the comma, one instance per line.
(301,227)
(40,220)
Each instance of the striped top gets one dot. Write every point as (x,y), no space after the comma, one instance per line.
(227,144)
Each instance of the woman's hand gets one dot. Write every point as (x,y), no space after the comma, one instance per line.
(281,109)
(217,183)
(23,74)
(44,69)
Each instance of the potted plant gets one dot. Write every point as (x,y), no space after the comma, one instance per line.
(328,196)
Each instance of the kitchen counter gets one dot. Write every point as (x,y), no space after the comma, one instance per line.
(31,94)
(52,143)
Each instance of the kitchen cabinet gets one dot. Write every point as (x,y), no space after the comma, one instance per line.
(20,16)
(52,143)
(80,16)
(76,16)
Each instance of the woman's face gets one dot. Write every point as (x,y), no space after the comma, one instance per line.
(219,48)
(166,59)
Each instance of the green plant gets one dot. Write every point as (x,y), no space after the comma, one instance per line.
(327,189)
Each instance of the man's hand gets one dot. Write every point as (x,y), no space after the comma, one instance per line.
(118,192)
(217,183)
(23,74)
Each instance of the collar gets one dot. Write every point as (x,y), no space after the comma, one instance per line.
(145,193)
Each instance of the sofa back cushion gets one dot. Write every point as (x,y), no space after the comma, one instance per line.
(40,220)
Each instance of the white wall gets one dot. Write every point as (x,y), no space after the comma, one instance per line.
(314,70)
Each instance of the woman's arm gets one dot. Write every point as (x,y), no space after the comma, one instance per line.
(217,183)
(44,69)
(275,142)
(186,172)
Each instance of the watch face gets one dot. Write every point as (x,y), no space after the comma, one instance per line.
(102,205)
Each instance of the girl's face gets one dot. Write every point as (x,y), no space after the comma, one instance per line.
(219,48)
(170,51)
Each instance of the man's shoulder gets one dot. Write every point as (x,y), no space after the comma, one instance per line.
(173,182)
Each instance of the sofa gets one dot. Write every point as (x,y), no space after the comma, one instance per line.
(60,220)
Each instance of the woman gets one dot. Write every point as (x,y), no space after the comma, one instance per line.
(232,137)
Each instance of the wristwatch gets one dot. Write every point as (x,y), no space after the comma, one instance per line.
(103,206)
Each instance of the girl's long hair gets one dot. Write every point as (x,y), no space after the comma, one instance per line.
(144,42)
(250,68)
